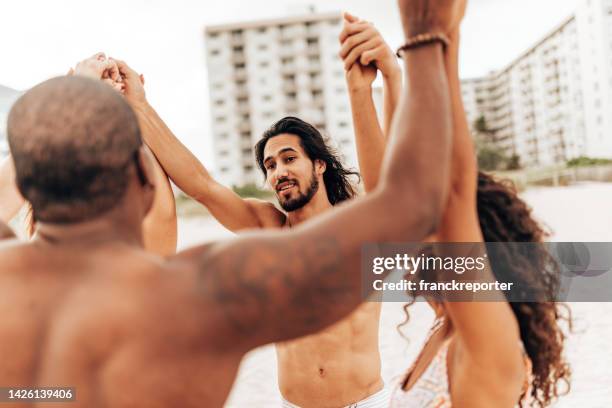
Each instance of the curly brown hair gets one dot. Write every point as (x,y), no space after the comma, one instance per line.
(504,217)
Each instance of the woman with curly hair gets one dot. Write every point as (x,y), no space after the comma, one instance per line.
(493,354)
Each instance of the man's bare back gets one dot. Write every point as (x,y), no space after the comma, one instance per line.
(93,317)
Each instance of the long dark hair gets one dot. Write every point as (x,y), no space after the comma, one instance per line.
(504,217)
(337,179)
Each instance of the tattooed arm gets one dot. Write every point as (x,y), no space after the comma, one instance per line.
(275,286)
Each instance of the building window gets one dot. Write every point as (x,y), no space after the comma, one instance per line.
(221,119)
(215,52)
(264,64)
(267,98)
(262,47)
(224,170)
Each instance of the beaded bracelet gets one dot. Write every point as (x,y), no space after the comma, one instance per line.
(422,39)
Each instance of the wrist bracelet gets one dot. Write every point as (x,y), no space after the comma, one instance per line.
(422,39)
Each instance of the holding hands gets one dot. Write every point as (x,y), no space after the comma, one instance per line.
(115,73)
(364,51)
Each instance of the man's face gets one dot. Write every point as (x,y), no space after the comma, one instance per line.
(289,171)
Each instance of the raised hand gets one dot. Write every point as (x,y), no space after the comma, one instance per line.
(133,84)
(99,67)
(361,41)
(431,16)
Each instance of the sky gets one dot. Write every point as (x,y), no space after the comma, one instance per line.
(164,40)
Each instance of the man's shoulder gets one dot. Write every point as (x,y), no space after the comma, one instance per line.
(268,214)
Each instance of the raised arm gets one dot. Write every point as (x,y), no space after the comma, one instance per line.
(364,51)
(500,374)
(275,286)
(187,172)
(159,227)
(10,199)
(368,47)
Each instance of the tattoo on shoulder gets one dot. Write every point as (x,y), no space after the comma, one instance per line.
(257,280)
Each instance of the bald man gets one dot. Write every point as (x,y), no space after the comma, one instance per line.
(85,306)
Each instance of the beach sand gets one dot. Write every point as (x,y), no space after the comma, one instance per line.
(580,212)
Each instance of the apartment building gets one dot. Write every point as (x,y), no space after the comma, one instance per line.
(553,102)
(261,71)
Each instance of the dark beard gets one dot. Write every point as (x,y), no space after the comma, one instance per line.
(303,199)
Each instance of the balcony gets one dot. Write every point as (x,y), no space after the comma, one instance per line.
(286,51)
(240,74)
(238,58)
(314,66)
(289,87)
(293,31)
(236,40)
(241,92)
(243,109)
(244,126)
(291,105)
(313,50)
(316,83)
(318,102)
(289,68)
